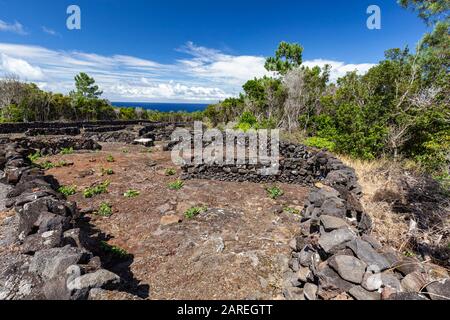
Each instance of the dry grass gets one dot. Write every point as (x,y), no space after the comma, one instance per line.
(379,177)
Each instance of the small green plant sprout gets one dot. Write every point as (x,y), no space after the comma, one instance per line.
(131,193)
(66,151)
(176,185)
(96,190)
(292,211)
(110,158)
(170,172)
(409,254)
(47,165)
(107,172)
(114,250)
(194,211)
(274,192)
(104,210)
(125,151)
(34,156)
(68,190)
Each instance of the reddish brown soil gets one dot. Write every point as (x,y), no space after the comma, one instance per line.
(238,249)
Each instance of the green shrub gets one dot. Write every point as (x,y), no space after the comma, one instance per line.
(321,143)
(176,185)
(110,158)
(47,165)
(170,172)
(68,190)
(131,193)
(104,210)
(66,151)
(194,211)
(107,172)
(114,250)
(96,190)
(34,156)
(274,192)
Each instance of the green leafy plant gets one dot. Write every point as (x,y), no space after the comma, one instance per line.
(104,210)
(114,250)
(34,156)
(125,151)
(47,165)
(170,172)
(274,192)
(107,172)
(110,158)
(176,185)
(96,190)
(68,190)
(131,193)
(66,151)
(194,211)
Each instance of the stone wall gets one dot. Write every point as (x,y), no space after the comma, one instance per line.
(43,254)
(334,256)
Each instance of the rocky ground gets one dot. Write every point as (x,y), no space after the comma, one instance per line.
(237,249)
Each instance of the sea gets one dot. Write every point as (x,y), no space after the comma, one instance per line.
(163,107)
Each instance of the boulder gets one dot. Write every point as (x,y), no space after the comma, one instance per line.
(439,290)
(359,293)
(331,223)
(348,267)
(51,263)
(310,291)
(413,282)
(407,296)
(364,251)
(335,240)
(102,279)
(330,283)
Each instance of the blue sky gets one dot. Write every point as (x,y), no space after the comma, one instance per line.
(189,50)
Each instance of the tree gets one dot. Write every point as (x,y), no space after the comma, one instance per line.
(430,11)
(85,87)
(287,57)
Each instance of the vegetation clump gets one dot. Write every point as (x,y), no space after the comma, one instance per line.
(274,192)
(131,193)
(176,185)
(194,211)
(104,210)
(68,190)
(96,190)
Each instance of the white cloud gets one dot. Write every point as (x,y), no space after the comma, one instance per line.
(338,68)
(21,68)
(49,31)
(15,27)
(204,75)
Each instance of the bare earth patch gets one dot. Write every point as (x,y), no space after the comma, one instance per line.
(237,249)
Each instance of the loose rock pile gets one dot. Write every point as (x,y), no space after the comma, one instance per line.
(42,253)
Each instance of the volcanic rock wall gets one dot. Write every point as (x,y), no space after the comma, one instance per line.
(42,253)
(334,256)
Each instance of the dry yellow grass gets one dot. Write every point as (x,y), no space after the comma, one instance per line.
(375,177)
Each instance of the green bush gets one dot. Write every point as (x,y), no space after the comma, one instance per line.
(66,151)
(68,190)
(107,172)
(110,158)
(321,143)
(131,193)
(194,211)
(96,190)
(114,250)
(34,157)
(274,192)
(176,185)
(104,210)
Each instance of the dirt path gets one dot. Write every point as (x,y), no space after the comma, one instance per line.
(237,249)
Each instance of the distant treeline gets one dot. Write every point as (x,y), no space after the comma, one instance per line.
(25,102)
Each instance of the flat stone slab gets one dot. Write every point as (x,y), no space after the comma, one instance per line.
(335,239)
(331,223)
(359,293)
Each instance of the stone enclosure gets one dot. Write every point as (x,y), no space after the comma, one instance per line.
(45,255)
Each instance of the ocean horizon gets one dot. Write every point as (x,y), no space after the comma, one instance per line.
(164,106)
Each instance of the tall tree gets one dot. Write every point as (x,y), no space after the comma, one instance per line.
(430,11)
(287,57)
(86,86)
